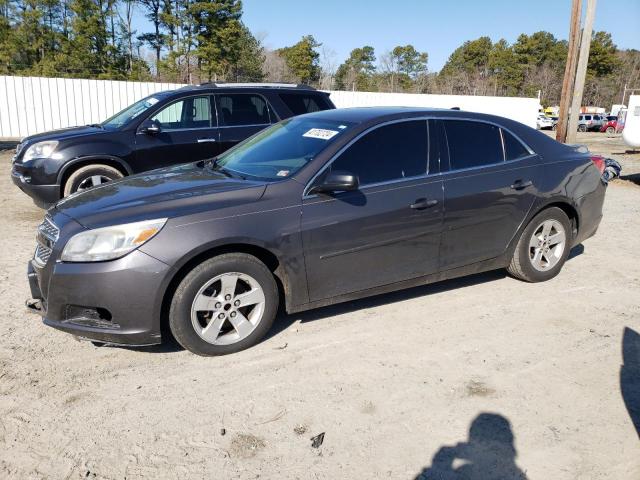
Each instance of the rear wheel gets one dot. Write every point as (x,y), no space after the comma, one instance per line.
(90,176)
(582,128)
(224,305)
(610,130)
(543,247)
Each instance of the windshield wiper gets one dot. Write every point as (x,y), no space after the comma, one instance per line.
(96,125)
(212,163)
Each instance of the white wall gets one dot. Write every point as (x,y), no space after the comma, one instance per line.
(31,105)
(524,110)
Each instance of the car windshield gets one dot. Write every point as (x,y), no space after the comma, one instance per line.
(283,149)
(129,113)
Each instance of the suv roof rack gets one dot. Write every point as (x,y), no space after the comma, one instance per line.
(259,85)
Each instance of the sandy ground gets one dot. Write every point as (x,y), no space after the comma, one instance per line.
(391,380)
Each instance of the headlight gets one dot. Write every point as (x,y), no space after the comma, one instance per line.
(109,243)
(40,150)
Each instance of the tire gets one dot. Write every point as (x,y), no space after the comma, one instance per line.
(610,130)
(201,330)
(81,179)
(526,268)
(582,128)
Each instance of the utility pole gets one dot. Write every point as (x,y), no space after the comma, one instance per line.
(581,73)
(569,72)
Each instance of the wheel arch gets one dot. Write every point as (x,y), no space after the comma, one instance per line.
(263,254)
(75,164)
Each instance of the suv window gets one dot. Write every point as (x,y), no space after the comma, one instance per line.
(238,109)
(190,112)
(390,152)
(473,144)
(304,103)
(513,149)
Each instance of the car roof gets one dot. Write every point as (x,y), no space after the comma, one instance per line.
(373,115)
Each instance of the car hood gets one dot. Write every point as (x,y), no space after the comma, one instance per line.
(168,192)
(63,134)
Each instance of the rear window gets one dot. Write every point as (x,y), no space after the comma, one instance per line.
(304,103)
(237,109)
(473,144)
(513,149)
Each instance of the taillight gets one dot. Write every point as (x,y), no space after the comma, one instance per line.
(598,161)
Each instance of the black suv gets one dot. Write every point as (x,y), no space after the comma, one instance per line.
(166,128)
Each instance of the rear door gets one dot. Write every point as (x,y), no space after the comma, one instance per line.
(188,132)
(386,231)
(490,186)
(240,115)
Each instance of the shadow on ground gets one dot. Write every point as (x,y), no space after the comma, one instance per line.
(630,375)
(489,453)
(284,321)
(635,178)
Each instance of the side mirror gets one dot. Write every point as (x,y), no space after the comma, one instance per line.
(150,127)
(337,182)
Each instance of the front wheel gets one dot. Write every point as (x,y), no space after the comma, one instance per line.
(543,247)
(224,305)
(90,176)
(610,130)
(582,128)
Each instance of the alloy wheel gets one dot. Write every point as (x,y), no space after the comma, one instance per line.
(547,245)
(92,181)
(227,308)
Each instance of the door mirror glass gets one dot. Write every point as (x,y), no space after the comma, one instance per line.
(337,181)
(150,127)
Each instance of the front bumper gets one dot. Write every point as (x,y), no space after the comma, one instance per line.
(128,293)
(43,195)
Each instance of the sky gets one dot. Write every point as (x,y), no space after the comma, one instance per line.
(435,27)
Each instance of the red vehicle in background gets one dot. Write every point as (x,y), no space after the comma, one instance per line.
(612,125)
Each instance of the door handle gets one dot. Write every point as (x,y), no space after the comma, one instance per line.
(520,184)
(206,140)
(423,203)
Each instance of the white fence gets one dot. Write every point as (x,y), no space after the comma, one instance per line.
(31,105)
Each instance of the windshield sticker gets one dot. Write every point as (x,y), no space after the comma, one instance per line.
(320,133)
(342,127)
(283,173)
(152,101)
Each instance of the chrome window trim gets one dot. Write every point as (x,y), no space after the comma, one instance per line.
(305,194)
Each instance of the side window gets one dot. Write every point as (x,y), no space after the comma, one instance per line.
(473,144)
(190,112)
(387,153)
(513,149)
(242,109)
(304,103)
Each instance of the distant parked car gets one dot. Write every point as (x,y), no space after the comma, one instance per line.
(543,122)
(590,122)
(166,128)
(612,126)
(317,209)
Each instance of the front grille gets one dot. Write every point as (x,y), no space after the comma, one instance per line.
(48,235)
(49,230)
(42,255)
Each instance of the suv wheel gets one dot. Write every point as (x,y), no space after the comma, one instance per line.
(90,176)
(610,130)
(224,305)
(582,128)
(543,247)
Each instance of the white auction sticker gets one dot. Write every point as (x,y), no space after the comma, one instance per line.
(283,173)
(320,133)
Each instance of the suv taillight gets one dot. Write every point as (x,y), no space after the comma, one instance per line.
(598,161)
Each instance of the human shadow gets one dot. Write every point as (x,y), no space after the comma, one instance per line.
(630,375)
(488,454)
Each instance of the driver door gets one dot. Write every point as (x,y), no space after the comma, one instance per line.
(386,231)
(188,133)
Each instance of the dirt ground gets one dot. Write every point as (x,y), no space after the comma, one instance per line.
(392,381)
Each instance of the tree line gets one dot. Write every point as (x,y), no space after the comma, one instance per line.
(194,41)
